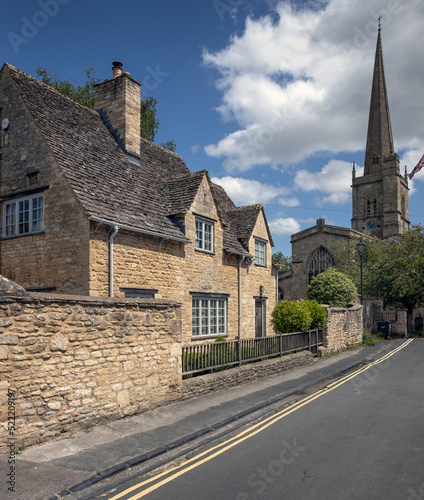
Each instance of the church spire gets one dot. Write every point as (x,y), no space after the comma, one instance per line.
(379,139)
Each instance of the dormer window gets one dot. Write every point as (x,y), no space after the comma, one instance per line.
(204,235)
(23,216)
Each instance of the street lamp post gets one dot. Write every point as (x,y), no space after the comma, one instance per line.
(361,249)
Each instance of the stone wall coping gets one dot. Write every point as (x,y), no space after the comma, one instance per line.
(91,301)
(352,307)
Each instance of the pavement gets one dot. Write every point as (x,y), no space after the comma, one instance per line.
(65,467)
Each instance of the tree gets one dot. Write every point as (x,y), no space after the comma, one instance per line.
(84,94)
(333,288)
(392,269)
(285,262)
(171,145)
(149,124)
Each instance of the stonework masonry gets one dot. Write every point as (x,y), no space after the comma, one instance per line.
(74,362)
(344,328)
(118,101)
(176,270)
(59,254)
(65,155)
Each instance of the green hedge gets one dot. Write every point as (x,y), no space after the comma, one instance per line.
(298,316)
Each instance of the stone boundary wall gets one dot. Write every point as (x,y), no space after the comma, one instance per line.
(67,363)
(344,328)
(198,386)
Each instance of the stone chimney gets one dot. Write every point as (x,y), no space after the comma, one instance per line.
(118,101)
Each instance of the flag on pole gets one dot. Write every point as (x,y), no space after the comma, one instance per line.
(417,168)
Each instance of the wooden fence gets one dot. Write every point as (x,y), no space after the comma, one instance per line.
(207,357)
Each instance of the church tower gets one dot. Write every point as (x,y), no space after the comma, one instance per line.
(380,197)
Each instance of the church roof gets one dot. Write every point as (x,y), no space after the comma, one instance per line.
(114,189)
(379,138)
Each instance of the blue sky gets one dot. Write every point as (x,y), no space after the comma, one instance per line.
(270,96)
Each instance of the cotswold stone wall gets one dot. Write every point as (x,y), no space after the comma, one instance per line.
(344,328)
(229,378)
(67,363)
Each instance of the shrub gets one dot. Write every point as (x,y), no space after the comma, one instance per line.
(291,316)
(318,313)
(333,288)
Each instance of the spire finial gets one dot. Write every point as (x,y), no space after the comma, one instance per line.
(379,23)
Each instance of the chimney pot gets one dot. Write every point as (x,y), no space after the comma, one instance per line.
(117,69)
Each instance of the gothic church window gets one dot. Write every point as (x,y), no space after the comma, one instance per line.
(321,260)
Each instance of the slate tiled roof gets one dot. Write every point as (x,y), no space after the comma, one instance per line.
(182,190)
(111,187)
(243,220)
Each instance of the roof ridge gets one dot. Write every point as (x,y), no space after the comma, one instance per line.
(254,205)
(174,153)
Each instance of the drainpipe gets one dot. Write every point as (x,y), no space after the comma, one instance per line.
(241,260)
(111,237)
(277,275)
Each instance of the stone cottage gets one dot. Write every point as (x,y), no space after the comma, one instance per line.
(89,208)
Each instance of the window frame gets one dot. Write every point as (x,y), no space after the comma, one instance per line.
(209,316)
(200,241)
(23,216)
(260,260)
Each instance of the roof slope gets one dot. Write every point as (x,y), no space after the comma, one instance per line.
(107,184)
(111,187)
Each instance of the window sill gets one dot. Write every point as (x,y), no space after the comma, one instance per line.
(203,337)
(22,235)
(209,252)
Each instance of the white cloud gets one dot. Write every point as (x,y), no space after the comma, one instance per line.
(333,180)
(289,202)
(283,226)
(248,192)
(301,84)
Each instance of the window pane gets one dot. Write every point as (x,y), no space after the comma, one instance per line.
(205,317)
(10,228)
(260,253)
(37,214)
(209,317)
(208,237)
(195,318)
(204,236)
(213,316)
(199,234)
(23,217)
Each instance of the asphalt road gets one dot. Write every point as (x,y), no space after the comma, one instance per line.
(360,437)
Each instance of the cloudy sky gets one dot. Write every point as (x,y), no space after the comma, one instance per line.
(270,96)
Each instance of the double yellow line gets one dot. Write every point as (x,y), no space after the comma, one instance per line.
(213,452)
